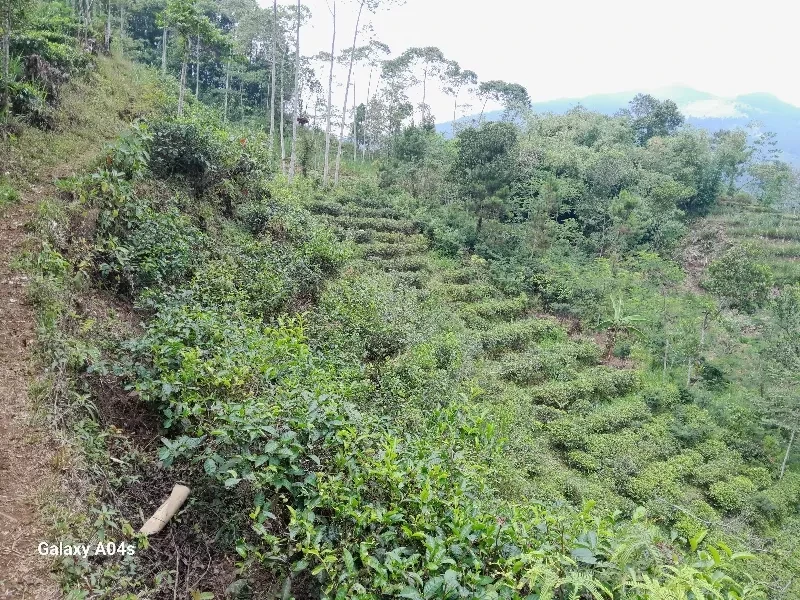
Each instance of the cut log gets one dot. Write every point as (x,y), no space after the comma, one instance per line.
(166,511)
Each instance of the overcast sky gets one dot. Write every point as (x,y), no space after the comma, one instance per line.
(558,48)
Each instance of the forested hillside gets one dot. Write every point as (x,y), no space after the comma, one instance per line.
(556,356)
(754,112)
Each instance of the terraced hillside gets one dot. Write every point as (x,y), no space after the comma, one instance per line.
(773,231)
(579,424)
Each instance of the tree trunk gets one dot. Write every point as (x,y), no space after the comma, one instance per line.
(346,92)
(164,40)
(197,66)
(107,40)
(788,451)
(422,111)
(355,125)
(6,60)
(121,27)
(703,329)
(295,114)
(327,168)
(227,89)
(241,94)
(283,139)
(314,135)
(272,80)
(183,83)
(364,129)
(666,354)
(483,108)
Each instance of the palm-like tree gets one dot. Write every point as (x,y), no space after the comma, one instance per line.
(620,323)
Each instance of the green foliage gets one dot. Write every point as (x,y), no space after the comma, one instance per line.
(191,150)
(516,335)
(358,410)
(8,195)
(733,494)
(484,164)
(739,279)
(651,117)
(367,317)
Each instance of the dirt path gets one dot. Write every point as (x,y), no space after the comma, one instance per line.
(25,453)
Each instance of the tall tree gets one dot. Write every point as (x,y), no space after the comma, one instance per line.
(281,114)
(650,117)
(512,96)
(484,165)
(295,113)
(376,50)
(372,6)
(197,68)
(457,79)
(272,79)
(107,30)
(433,64)
(185,17)
(329,109)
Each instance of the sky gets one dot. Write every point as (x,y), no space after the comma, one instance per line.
(559,49)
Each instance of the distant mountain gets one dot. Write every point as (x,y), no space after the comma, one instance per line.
(701,109)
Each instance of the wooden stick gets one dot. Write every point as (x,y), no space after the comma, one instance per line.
(166,511)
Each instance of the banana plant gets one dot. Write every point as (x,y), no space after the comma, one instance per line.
(620,324)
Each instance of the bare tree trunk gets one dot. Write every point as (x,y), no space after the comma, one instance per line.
(346,92)
(283,139)
(483,108)
(314,135)
(107,40)
(327,169)
(6,59)
(365,128)
(786,456)
(241,94)
(666,353)
(164,40)
(121,27)
(227,89)
(183,83)
(295,114)
(455,109)
(272,81)
(355,125)
(423,111)
(197,66)
(703,329)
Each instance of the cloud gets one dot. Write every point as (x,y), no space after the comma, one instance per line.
(718,108)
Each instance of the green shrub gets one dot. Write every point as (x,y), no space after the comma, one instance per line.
(518,334)
(468,292)
(8,195)
(594,384)
(411,264)
(779,501)
(583,461)
(378,224)
(389,250)
(366,317)
(495,308)
(555,361)
(731,495)
(198,153)
(161,249)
